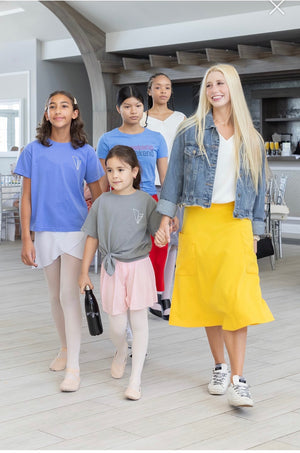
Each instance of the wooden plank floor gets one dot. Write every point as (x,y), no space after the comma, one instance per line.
(176,411)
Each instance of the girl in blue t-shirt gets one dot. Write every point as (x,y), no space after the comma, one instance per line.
(152,152)
(54,168)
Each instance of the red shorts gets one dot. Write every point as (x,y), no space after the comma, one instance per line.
(158,257)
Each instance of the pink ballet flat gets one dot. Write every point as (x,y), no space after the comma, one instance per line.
(71,383)
(59,363)
(133,394)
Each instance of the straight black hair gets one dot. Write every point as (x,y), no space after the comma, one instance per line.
(127,155)
(129,91)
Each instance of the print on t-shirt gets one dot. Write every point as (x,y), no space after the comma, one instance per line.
(137,215)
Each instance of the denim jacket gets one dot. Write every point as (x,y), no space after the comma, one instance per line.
(190,179)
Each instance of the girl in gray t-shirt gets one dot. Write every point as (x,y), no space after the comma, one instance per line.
(120,223)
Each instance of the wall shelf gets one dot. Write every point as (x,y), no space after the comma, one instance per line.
(274,112)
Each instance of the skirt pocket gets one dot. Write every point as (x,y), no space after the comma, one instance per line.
(248,247)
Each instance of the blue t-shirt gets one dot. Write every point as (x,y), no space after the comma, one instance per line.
(57,178)
(148,145)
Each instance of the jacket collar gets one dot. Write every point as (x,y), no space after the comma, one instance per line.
(209,121)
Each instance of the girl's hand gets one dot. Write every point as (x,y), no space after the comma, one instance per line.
(84,280)
(28,254)
(164,228)
(160,238)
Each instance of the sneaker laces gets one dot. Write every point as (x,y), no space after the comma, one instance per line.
(242,390)
(218,378)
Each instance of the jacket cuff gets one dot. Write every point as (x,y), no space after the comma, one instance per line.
(166,207)
(258,227)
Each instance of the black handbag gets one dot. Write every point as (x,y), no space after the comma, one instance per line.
(265,247)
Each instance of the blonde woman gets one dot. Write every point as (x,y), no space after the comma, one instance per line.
(217,172)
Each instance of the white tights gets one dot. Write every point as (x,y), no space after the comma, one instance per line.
(169,272)
(62,278)
(140,334)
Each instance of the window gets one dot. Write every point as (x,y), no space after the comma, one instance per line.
(10,124)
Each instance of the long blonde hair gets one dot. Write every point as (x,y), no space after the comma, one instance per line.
(246,138)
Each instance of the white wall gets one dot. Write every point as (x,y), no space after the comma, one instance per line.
(18,81)
(17,58)
(72,77)
(24,75)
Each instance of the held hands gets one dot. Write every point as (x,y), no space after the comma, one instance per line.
(84,280)
(162,236)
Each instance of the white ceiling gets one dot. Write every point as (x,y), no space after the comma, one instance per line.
(36,21)
(113,16)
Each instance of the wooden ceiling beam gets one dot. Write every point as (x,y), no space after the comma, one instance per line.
(111,67)
(162,61)
(254,52)
(190,58)
(222,55)
(285,48)
(132,64)
(273,66)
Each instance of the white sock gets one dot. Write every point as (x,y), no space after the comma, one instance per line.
(157,306)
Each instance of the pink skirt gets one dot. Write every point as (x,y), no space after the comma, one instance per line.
(132,286)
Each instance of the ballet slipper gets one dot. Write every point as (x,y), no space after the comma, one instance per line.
(133,393)
(117,369)
(59,363)
(71,382)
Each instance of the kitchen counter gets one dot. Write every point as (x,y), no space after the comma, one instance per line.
(293,158)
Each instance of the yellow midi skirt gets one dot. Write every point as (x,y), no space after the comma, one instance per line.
(216,279)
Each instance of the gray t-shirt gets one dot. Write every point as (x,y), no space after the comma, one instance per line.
(122,224)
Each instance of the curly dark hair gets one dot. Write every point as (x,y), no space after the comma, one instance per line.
(127,155)
(78,135)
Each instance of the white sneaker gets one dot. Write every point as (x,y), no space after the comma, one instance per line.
(220,380)
(238,392)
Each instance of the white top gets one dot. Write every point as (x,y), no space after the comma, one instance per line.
(225,178)
(168,129)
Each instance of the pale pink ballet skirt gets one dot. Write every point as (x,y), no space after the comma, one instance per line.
(132,286)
